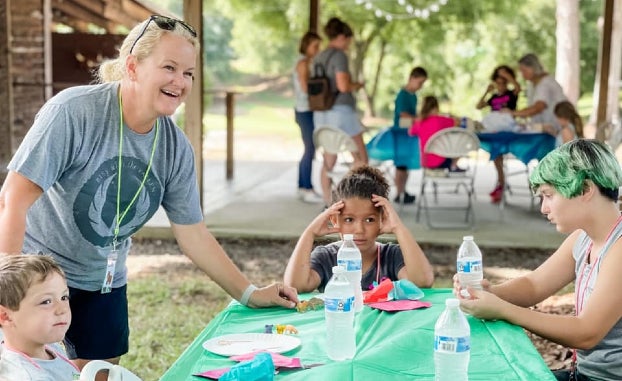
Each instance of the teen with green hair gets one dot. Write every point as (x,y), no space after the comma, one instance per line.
(578,183)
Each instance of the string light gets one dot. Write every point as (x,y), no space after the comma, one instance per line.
(410,11)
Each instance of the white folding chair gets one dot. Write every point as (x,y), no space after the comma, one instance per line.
(453,143)
(115,372)
(335,141)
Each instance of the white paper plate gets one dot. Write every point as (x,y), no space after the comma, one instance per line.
(241,343)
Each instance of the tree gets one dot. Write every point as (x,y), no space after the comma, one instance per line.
(567,33)
(459,45)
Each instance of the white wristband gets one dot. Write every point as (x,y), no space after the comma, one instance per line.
(246,295)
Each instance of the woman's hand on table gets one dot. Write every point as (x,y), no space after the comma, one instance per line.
(483,304)
(276,294)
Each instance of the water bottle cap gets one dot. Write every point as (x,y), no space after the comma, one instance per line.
(452,302)
(338,269)
(467,238)
(348,237)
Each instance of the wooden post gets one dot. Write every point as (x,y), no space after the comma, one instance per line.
(605,59)
(230,106)
(193,12)
(6,89)
(47,49)
(314,15)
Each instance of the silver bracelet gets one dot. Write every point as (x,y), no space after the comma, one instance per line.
(246,295)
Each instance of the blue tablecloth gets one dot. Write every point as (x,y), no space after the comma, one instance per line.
(525,146)
(395,144)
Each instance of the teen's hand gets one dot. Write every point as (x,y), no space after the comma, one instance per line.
(322,224)
(483,305)
(463,294)
(390,219)
(490,88)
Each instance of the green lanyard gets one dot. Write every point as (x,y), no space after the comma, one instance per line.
(120,216)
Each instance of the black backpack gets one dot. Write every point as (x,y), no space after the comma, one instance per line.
(321,96)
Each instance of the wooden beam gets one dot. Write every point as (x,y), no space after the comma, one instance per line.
(94,6)
(193,14)
(230,110)
(79,13)
(6,90)
(314,15)
(107,14)
(605,59)
(47,48)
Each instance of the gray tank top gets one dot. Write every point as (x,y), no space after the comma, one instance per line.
(604,361)
(302,98)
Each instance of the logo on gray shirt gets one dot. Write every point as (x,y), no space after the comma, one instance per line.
(95,207)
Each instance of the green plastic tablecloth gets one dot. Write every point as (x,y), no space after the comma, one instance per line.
(390,346)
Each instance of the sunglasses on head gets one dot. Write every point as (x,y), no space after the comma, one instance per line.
(165,23)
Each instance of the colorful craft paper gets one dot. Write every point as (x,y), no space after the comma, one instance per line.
(399,305)
(278,360)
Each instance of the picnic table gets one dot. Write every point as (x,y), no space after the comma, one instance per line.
(390,346)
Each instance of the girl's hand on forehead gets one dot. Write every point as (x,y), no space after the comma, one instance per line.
(322,224)
(390,219)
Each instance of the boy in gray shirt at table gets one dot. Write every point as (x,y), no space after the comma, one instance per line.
(34,316)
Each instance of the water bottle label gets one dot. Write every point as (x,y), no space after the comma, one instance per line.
(466,266)
(339,305)
(452,344)
(350,264)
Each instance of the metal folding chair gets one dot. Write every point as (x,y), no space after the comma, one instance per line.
(335,141)
(453,143)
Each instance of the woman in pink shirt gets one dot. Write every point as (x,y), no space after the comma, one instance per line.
(427,125)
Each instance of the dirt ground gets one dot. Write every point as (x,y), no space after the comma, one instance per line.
(263,261)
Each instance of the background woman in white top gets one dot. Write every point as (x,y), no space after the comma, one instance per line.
(309,47)
(543,93)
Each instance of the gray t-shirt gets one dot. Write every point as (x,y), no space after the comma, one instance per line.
(336,63)
(72,153)
(17,366)
(604,361)
(324,258)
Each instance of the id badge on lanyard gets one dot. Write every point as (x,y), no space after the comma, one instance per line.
(110,270)
(111,262)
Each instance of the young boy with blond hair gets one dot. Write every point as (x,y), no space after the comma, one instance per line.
(34,316)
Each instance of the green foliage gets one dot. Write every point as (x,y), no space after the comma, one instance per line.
(459,45)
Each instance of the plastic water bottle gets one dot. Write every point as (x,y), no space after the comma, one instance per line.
(469,264)
(349,257)
(452,344)
(339,311)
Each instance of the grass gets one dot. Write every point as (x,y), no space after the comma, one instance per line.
(166,314)
(264,113)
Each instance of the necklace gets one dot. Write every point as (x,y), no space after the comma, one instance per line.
(120,216)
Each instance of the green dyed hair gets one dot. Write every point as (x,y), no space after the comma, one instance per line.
(568,167)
